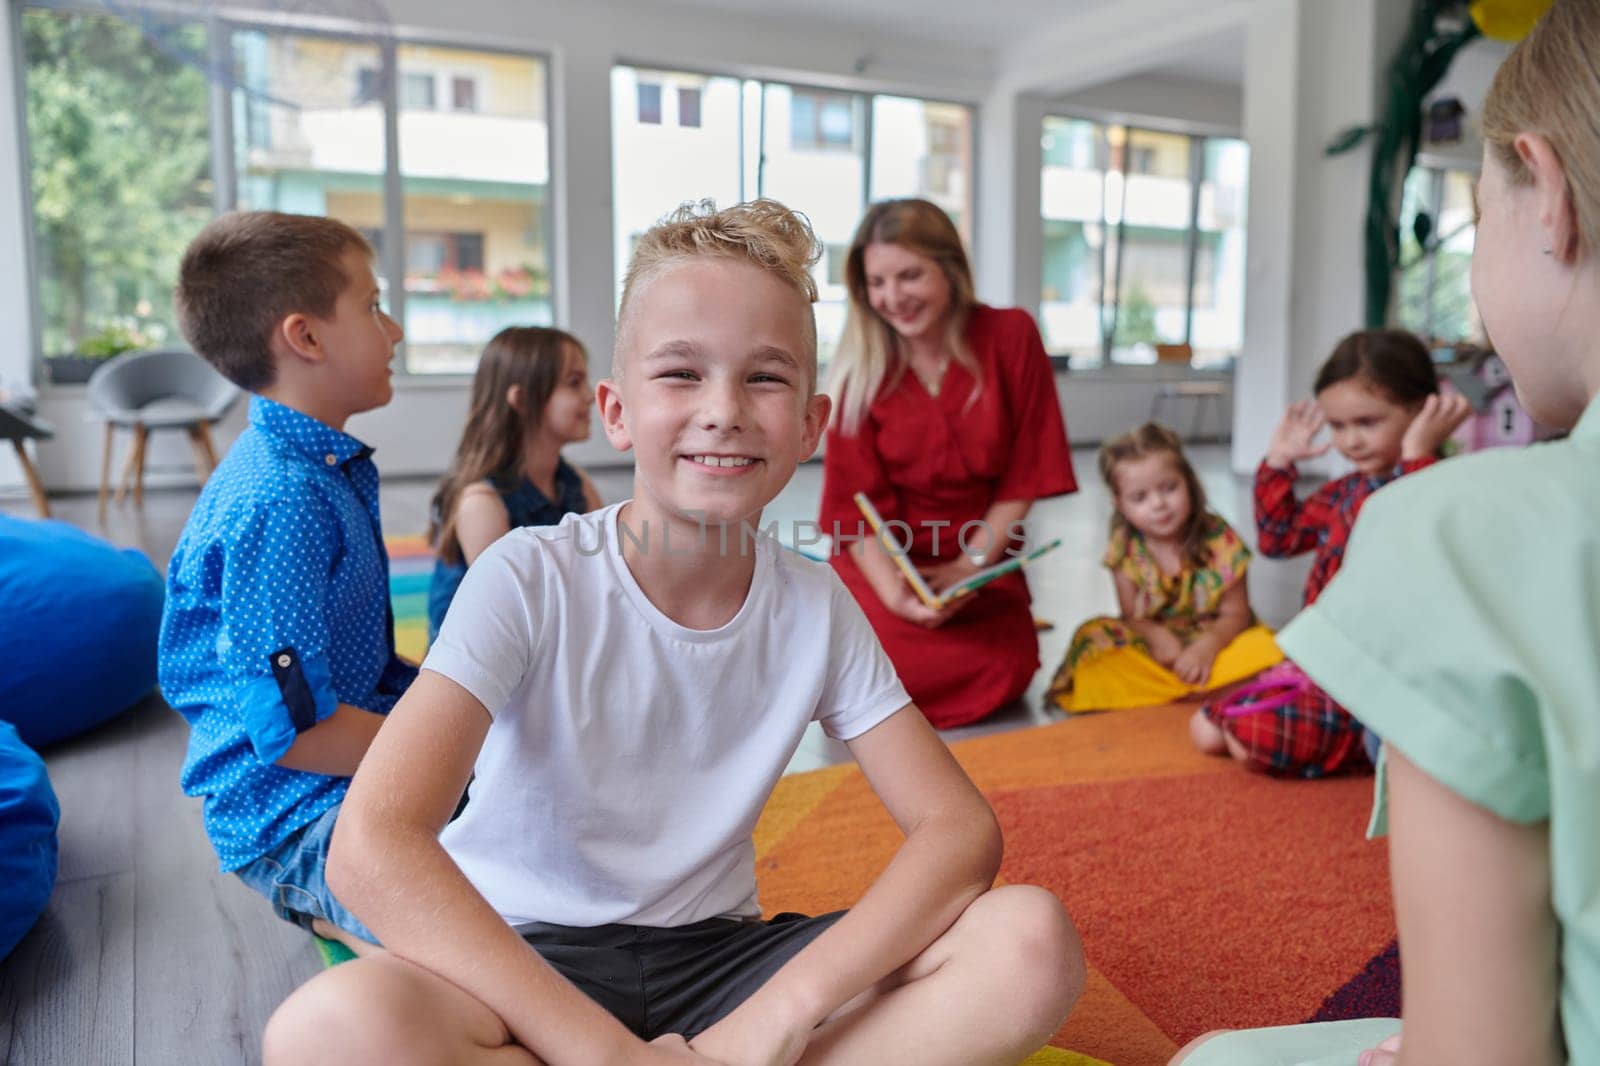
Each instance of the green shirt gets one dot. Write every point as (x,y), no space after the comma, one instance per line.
(1464,628)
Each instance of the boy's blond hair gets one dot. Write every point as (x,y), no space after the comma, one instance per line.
(762,232)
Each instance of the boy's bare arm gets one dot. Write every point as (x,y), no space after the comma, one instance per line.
(387,866)
(949,858)
(335,745)
(1479,938)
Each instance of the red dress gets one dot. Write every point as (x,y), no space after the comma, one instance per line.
(935,463)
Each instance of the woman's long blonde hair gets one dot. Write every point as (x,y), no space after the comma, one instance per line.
(1550,85)
(532,357)
(869,355)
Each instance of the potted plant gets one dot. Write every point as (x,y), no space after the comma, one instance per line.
(75,368)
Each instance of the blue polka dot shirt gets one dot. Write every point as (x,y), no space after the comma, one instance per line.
(277,611)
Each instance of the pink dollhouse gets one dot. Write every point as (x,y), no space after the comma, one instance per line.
(1498,420)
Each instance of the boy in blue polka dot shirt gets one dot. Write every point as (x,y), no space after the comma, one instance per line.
(277,645)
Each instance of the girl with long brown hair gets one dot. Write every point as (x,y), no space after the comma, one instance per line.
(530,397)
(948,421)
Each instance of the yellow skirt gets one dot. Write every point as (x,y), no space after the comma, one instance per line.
(1127,677)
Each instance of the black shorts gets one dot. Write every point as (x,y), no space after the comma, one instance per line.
(681,980)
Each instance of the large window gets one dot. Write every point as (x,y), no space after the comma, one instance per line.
(823,152)
(1143,243)
(124,128)
(1434,295)
(120,176)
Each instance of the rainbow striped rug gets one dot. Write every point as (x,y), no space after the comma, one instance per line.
(410,570)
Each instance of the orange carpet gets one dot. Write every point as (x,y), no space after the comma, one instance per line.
(1208,897)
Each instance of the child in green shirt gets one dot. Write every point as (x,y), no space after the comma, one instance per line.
(1483,677)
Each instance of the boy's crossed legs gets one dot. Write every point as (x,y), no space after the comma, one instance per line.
(993,988)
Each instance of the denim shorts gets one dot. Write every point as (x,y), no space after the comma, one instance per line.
(676,980)
(291,877)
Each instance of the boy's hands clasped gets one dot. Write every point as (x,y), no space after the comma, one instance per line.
(670,1050)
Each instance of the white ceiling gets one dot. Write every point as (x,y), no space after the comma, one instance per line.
(984,23)
(1218,59)
(987,24)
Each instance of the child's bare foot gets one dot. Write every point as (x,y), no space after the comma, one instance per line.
(1206,736)
(328,931)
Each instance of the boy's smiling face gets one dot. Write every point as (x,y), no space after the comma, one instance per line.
(714,390)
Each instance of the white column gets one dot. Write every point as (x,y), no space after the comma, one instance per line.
(998,180)
(1312,69)
(1009,258)
(580,107)
(16,313)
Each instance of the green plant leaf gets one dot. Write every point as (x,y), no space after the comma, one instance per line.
(1347,139)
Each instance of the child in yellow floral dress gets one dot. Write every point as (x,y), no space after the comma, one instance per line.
(1185,622)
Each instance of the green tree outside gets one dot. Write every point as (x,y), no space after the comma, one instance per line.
(1136,319)
(119,140)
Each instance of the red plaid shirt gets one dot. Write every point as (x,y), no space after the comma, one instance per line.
(1285,526)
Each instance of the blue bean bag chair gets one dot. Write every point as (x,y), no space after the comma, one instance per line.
(79,620)
(28,816)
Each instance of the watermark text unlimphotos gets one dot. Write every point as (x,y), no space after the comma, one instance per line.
(931,537)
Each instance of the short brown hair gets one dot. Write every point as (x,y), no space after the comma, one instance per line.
(248,271)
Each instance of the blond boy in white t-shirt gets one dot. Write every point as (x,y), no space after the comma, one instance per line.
(627,688)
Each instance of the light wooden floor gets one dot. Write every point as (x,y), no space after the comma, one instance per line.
(148,955)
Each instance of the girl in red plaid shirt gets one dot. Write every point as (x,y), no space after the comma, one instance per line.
(1378,396)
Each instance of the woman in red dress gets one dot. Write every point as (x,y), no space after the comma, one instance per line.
(947,418)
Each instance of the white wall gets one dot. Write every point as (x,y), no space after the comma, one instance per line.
(16,340)
(1167,103)
(1099,404)
(1468,81)
(1312,69)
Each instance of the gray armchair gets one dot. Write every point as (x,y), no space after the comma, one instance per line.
(17,425)
(146,391)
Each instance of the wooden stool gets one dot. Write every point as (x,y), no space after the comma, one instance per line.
(1206,395)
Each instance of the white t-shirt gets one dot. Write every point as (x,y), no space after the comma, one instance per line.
(629,757)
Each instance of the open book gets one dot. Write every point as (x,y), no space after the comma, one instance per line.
(919,584)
